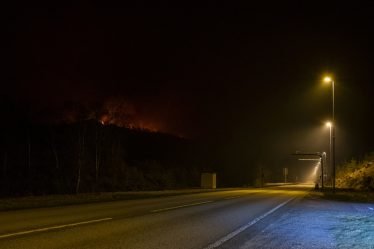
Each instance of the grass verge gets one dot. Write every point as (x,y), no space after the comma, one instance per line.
(347,195)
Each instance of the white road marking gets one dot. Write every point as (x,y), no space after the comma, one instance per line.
(53,228)
(371,208)
(232,197)
(241,229)
(181,206)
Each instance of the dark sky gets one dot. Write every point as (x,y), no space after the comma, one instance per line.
(246,80)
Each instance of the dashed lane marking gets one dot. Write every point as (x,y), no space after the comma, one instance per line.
(45,229)
(181,206)
(232,197)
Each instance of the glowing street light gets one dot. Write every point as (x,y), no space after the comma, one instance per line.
(316,168)
(328,79)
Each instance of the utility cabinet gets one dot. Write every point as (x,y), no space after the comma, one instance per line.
(208,180)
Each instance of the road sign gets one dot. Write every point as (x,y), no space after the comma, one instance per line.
(285,173)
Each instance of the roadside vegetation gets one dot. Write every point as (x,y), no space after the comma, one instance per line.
(354,182)
(357,175)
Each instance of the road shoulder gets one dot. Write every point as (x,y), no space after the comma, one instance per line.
(312,222)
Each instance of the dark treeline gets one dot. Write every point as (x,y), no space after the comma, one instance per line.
(86,156)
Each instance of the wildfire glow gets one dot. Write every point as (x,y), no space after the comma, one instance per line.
(123,114)
(115,111)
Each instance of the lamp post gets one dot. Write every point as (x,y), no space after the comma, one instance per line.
(327,80)
(329,124)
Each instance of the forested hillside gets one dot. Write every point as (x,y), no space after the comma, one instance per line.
(87,156)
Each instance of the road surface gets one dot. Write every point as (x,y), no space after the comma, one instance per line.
(204,220)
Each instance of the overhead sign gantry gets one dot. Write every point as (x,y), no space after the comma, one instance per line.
(320,155)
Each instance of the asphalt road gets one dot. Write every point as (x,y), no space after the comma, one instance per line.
(205,220)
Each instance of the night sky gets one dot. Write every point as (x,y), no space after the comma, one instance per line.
(245,81)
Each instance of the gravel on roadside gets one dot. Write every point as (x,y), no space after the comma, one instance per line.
(315,222)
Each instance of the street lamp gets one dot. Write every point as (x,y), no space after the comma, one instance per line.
(329,124)
(330,80)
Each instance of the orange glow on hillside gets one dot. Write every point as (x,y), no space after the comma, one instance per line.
(132,123)
(123,114)
(118,112)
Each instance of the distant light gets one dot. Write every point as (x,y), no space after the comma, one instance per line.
(328,124)
(315,169)
(327,79)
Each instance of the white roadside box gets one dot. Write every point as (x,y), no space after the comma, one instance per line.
(208,180)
